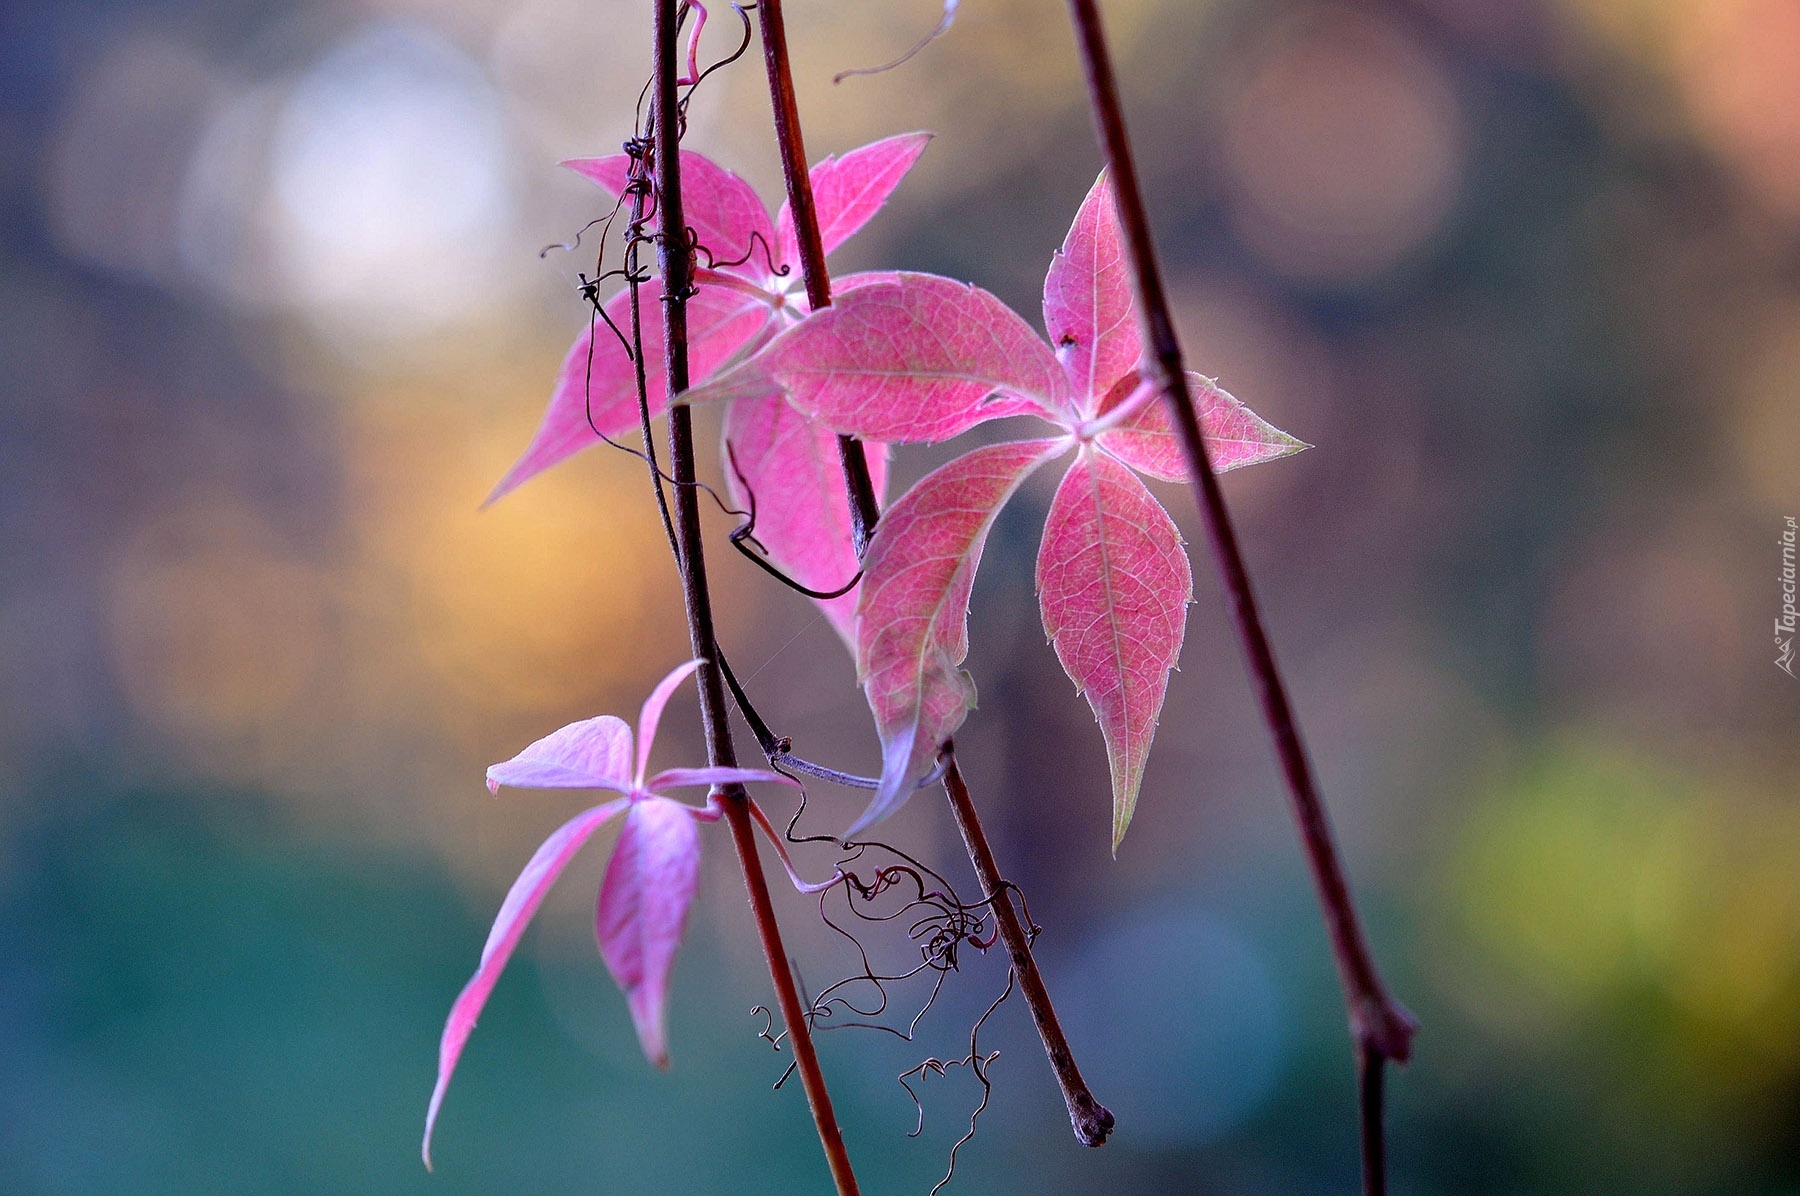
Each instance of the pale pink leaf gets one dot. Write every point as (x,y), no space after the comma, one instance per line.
(1113,586)
(792,467)
(592,754)
(596,388)
(652,713)
(1088,308)
(921,358)
(722,209)
(840,283)
(912,627)
(848,191)
(1235,435)
(610,173)
(676,778)
(800,883)
(521,903)
(642,910)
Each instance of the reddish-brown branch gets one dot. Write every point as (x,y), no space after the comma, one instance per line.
(1369,1070)
(1382,1029)
(1091,1120)
(864,510)
(676,264)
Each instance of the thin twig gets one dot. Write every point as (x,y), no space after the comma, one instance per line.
(1091,1120)
(864,510)
(1381,1028)
(676,260)
(1370,1065)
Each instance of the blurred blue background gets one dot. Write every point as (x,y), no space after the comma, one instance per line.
(272,320)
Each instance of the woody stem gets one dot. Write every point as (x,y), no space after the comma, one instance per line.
(1091,1120)
(1381,1029)
(864,510)
(676,261)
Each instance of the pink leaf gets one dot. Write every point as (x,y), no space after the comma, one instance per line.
(792,467)
(848,191)
(643,908)
(912,626)
(598,380)
(610,173)
(652,713)
(521,903)
(1235,435)
(592,754)
(1113,586)
(676,778)
(841,283)
(722,209)
(917,359)
(1088,307)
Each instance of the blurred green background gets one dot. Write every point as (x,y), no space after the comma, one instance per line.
(272,320)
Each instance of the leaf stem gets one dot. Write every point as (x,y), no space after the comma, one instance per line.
(1369,1074)
(1090,1119)
(864,510)
(676,261)
(1381,1028)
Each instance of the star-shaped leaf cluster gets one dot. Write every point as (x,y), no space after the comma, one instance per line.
(917,357)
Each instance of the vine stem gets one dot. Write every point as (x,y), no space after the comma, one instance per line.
(676,262)
(865,512)
(1381,1029)
(1091,1120)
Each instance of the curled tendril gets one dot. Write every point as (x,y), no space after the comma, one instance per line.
(756,238)
(905,893)
(977,1063)
(742,11)
(940,923)
(745,535)
(937,31)
(572,245)
(768,1035)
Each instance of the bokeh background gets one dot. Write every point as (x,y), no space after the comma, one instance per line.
(273,319)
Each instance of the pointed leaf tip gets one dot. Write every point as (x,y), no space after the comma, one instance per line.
(595,393)
(642,911)
(848,191)
(1235,435)
(1089,311)
(652,713)
(1113,587)
(912,617)
(522,901)
(897,776)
